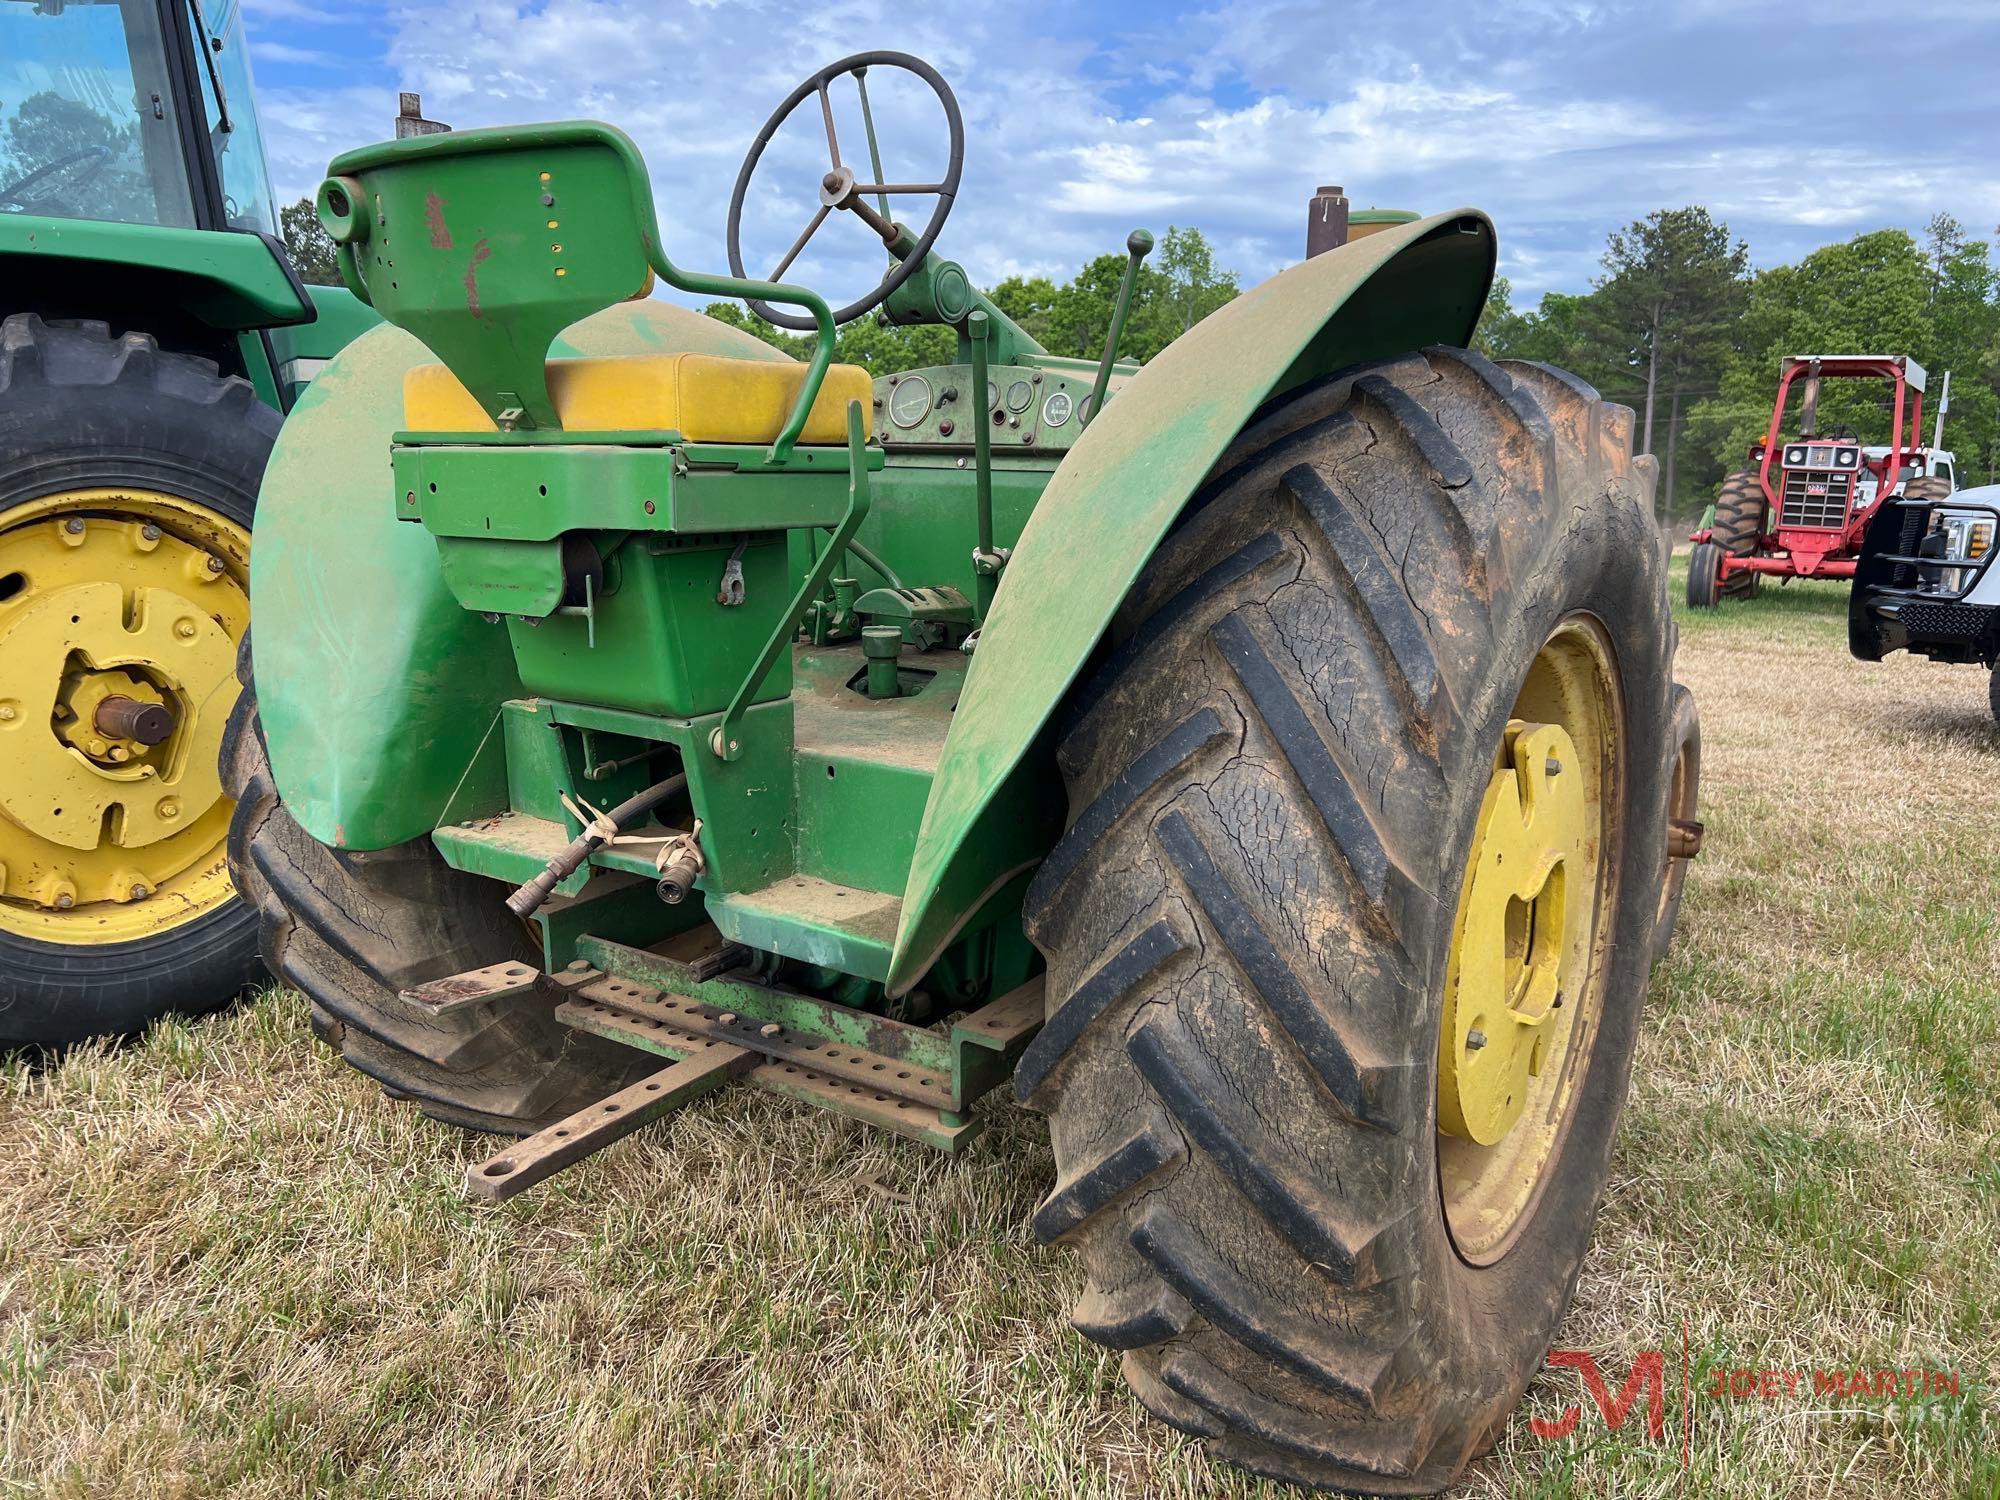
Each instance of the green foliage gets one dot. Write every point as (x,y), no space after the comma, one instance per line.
(308,244)
(1552,333)
(878,347)
(1673,286)
(1878,293)
(1723,335)
(1073,318)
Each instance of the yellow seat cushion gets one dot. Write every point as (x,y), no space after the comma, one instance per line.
(705,398)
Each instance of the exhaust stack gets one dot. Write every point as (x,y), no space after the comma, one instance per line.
(1326,221)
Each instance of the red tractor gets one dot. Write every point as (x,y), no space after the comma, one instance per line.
(1821,487)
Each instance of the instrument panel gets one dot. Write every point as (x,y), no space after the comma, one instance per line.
(1024,409)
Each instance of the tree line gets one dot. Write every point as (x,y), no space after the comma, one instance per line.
(1680,328)
(1677,325)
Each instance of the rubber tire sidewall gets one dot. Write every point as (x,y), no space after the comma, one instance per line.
(58,435)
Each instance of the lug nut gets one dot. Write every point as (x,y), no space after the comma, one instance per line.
(213,563)
(74,526)
(1554,766)
(185,630)
(1474,1040)
(149,532)
(168,809)
(64,901)
(7,713)
(140,893)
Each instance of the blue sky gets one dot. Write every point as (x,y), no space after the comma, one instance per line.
(1562,120)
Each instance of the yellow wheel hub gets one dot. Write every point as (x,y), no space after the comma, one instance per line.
(113,602)
(1521,995)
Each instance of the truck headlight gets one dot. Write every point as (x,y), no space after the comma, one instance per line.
(1966,538)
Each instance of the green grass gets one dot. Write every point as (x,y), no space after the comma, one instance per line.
(229,1267)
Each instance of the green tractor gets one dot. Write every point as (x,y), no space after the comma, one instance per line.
(153,334)
(1261,760)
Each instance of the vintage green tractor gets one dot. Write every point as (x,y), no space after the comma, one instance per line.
(1261,759)
(151,334)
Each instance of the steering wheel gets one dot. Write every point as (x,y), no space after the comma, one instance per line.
(97,156)
(839,189)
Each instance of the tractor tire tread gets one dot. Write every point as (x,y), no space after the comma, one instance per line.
(350,929)
(1260,777)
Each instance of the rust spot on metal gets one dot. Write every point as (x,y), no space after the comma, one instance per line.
(434,218)
(479,253)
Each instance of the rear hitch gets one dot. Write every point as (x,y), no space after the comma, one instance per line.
(676,1001)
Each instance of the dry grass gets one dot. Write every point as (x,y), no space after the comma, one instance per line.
(228,1267)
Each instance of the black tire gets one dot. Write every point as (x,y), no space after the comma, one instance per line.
(82,409)
(1741,518)
(1683,801)
(1993,693)
(349,929)
(1281,760)
(1704,587)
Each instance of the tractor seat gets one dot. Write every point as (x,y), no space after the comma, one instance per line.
(703,397)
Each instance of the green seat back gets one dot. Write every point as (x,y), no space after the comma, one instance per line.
(486,244)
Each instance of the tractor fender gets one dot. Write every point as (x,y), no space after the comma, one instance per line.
(377,691)
(1112,502)
(231,280)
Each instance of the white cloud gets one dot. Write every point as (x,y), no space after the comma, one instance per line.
(1562,119)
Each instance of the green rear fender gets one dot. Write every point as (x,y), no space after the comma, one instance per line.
(1108,507)
(375,688)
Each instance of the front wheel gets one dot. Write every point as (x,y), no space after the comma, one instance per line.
(1348,937)
(1704,588)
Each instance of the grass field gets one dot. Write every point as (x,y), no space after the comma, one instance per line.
(228,1266)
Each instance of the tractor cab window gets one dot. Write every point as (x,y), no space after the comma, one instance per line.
(247,201)
(87,120)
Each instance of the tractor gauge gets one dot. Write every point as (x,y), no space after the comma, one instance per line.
(1055,410)
(910,401)
(1019,394)
(992,393)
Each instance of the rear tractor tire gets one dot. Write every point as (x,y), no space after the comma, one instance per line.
(128,476)
(350,928)
(1349,933)
(1741,518)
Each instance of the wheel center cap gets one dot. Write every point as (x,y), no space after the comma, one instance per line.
(1518,936)
(62,657)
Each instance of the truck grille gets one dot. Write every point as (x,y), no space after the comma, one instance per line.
(1816,498)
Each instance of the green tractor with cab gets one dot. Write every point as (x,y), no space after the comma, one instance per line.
(1263,761)
(152,334)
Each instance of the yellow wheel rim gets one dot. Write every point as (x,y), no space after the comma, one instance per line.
(1524,982)
(113,601)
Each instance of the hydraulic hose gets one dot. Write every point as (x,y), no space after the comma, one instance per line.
(596,834)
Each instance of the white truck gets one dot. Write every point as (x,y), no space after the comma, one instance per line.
(1925,581)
